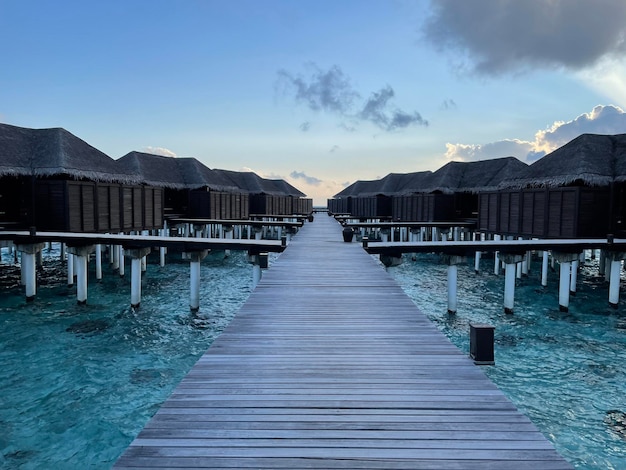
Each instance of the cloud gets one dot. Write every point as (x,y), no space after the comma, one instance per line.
(305,126)
(601,120)
(159,151)
(322,91)
(299,175)
(331,91)
(377,110)
(334,148)
(447,104)
(505,36)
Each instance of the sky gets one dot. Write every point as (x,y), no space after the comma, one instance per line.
(320,93)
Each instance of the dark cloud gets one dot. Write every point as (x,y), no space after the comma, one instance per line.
(327,91)
(378,111)
(305,126)
(308,179)
(503,36)
(331,91)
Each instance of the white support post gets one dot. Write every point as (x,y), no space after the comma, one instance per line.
(29,276)
(194,257)
(98,262)
(135,255)
(544,269)
(510,262)
(80,256)
(509,287)
(496,257)
(564,281)
(616,266)
(122,263)
(135,282)
(573,277)
(452,288)
(80,262)
(70,269)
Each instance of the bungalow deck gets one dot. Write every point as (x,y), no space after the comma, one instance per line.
(330,365)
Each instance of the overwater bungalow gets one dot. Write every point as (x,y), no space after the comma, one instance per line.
(448,194)
(190,188)
(52,180)
(364,199)
(268,196)
(576,191)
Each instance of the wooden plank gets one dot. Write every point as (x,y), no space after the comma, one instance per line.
(330,365)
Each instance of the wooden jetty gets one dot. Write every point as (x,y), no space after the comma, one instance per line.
(330,365)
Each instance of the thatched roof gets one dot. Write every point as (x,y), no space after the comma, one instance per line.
(155,170)
(361,188)
(452,177)
(252,183)
(54,152)
(284,188)
(472,177)
(589,159)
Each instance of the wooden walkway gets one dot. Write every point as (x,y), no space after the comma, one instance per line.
(329,365)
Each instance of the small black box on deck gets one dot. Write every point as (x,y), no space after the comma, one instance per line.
(481,343)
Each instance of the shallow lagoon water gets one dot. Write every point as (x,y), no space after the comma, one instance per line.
(79,382)
(565,371)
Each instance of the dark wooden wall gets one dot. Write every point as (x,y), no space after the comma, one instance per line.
(566,212)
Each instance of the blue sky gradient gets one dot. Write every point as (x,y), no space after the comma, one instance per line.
(320,93)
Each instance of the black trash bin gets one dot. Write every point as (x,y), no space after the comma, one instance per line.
(348,233)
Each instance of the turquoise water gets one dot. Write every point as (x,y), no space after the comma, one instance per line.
(565,371)
(78,383)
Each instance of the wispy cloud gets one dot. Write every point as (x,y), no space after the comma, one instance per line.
(378,111)
(299,175)
(159,151)
(447,104)
(332,91)
(334,148)
(305,126)
(601,120)
(495,36)
(329,90)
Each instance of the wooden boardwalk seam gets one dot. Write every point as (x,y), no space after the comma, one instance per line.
(329,365)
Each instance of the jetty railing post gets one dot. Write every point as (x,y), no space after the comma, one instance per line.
(28,267)
(510,261)
(80,256)
(194,257)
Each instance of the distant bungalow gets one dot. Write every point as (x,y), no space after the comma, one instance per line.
(579,190)
(54,181)
(448,194)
